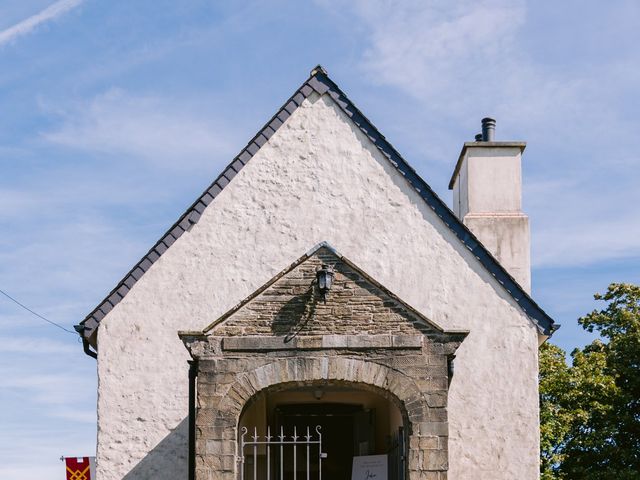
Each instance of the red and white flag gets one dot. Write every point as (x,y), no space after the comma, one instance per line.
(80,468)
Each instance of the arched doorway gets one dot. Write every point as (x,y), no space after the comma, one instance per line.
(316,430)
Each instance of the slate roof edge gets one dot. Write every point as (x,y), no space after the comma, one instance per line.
(320,83)
(541,319)
(352,266)
(89,325)
(468,145)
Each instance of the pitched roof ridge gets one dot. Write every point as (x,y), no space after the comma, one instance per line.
(320,83)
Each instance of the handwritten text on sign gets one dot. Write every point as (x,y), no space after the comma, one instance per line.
(369,467)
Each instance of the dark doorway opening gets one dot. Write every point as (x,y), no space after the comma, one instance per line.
(347,431)
(353,423)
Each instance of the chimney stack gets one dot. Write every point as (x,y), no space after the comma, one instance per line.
(487,198)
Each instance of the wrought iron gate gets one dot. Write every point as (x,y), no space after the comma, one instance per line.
(397,465)
(275,446)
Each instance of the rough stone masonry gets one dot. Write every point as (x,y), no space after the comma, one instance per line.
(286,335)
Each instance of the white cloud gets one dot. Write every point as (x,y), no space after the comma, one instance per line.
(33,452)
(29,24)
(586,225)
(586,243)
(163,132)
(96,209)
(35,346)
(464,60)
(430,48)
(53,393)
(63,192)
(468,59)
(82,257)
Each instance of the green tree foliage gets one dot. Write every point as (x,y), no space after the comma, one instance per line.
(590,411)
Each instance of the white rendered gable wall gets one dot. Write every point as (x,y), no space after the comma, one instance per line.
(317,179)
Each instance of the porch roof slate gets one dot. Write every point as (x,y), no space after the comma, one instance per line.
(368,278)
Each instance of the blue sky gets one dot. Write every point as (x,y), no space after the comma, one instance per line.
(116,115)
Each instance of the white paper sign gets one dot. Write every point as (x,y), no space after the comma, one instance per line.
(369,467)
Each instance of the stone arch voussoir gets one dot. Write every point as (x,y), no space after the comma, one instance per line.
(311,369)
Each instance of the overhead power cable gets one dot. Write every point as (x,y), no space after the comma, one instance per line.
(36,313)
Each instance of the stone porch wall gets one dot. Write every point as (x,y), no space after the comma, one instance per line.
(414,377)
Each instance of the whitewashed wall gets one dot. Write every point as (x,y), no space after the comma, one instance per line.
(318,178)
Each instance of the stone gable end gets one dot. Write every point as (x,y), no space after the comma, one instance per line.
(293,306)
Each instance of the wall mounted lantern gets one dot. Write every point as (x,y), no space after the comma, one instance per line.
(325,277)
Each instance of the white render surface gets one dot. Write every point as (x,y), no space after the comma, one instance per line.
(507,238)
(317,179)
(487,197)
(492,180)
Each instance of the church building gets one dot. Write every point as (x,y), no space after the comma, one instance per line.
(319,313)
